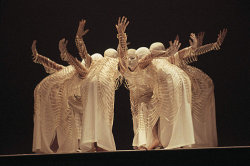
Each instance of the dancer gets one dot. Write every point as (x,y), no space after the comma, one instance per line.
(57,105)
(203,104)
(160,101)
(97,97)
(54,119)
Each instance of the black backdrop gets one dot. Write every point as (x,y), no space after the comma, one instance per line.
(48,21)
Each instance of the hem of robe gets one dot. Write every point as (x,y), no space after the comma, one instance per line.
(200,145)
(138,139)
(87,145)
(178,146)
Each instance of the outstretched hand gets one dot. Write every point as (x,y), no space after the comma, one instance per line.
(122,24)
(221,36)
(63,49)
(193,43)
(63,45)
(200,37)
(81,32)
(34,51)
(174,47)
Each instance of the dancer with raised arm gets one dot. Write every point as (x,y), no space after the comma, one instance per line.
(56,94)
(54,118)
(97,96)
(160,101)
(203,104)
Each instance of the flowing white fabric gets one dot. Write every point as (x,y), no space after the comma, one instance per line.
(53,116)
(203,108)
(175,126)
(98,91)
(203,105)
(170,103)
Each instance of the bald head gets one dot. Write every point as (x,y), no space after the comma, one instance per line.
(142,52)
(112,53)
(96,56)
(131,51)
(157,46)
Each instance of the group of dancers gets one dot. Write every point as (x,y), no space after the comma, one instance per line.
(172,103)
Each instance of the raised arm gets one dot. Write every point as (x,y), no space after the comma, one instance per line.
(202,49)
(81,45)
(185,55)
(122,37)
(144,62)
(66,56)
(212,46)
(189,57)
(122,46)
(49,65)
(185,52)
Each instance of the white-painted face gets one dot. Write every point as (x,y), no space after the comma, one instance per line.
(96,56)
(132,59)
(112,53)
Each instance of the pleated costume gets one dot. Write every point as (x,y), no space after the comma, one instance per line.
(169,103)
(203,105)
(98,92)
(53,115)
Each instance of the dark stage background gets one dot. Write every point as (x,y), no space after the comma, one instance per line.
(48,21)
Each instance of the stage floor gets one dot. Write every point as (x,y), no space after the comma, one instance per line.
(233,155)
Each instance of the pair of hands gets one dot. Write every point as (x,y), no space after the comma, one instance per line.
(121,28)
(80,33)
(195,42)
(199,39)
(174,46)
(62,47)
(63,42)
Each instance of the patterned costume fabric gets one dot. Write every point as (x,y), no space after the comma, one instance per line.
(151,94)
(53,116)
(169,92)
(203,106)
(74,106)
(98,91)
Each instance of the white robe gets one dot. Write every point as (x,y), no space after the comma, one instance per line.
(203,108)
(98,91)
(52,113)
(203,105)
(170,104)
